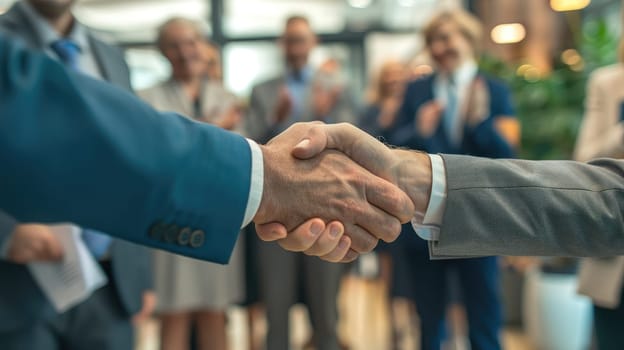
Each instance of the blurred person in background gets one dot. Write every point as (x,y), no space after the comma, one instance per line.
(104,320)
(456,110)
(301,93)
(384,97)
(212,57)
(602,135)
(194,293)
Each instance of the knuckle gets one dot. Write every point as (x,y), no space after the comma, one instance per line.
(393,232)
(369,244)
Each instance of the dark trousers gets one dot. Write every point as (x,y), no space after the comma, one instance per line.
(99,323)
(281,275)
(426,283)
(609,325)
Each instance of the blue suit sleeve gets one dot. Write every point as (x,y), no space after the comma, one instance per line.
(76,149)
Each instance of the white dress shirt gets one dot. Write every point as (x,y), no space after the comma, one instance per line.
(429,228)
(461,79)
(458,83)
(257,183)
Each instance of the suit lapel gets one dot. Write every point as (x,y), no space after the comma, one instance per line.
(16,22)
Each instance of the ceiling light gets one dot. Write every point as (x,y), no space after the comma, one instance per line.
(360,4)
(407,3)
(508,33)
(569,5)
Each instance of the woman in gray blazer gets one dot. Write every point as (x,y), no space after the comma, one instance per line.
(602,135)
(192,292)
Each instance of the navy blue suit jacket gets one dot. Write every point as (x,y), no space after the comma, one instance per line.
(157,179)
(482,140)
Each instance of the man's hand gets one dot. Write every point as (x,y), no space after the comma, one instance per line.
(312,238)
(329,186)
(147,308)
(284,105)
(230,119)
(409,170)
(324,99)
(428,118)
(34,243)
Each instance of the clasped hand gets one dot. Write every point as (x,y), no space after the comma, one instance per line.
(333,191)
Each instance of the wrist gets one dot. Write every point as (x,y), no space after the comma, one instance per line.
(267,204)
(414,177)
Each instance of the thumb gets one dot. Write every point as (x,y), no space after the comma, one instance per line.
(312,143)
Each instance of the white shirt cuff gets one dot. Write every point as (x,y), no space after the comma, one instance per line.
(257,183)
(429,228)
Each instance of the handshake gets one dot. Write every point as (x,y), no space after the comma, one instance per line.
(333,191)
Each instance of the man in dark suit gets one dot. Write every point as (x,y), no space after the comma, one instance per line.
(103,321)
(457,110)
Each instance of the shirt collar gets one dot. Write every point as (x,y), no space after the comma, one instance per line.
(464,74)
(306,74)
(48,35)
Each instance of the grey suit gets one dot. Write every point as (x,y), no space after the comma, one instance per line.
(260,125)
(24,310)
(281,272)
(516,207)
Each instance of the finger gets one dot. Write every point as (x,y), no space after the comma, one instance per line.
(327,241)
(339,253)
(376,222)
(272,231)
(346,138)
(389,198)
(313,143)
(53,250)
(362,241)
(350,257)
(304,236)
(21,257)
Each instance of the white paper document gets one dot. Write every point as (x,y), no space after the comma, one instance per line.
(73,280)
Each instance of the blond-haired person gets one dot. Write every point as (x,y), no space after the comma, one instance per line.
(455,110)
(602,135)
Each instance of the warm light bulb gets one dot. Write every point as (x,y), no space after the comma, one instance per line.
(508,33)
(569,5)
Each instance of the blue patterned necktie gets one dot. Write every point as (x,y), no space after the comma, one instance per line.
(68,52)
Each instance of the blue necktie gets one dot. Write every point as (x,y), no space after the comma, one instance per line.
(452,124)
(69,52)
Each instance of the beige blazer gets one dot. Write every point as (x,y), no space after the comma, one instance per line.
(169,96)
(602,135)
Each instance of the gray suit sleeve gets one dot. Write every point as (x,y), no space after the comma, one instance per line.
(547,208)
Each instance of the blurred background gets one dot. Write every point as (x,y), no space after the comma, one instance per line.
(544,51)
